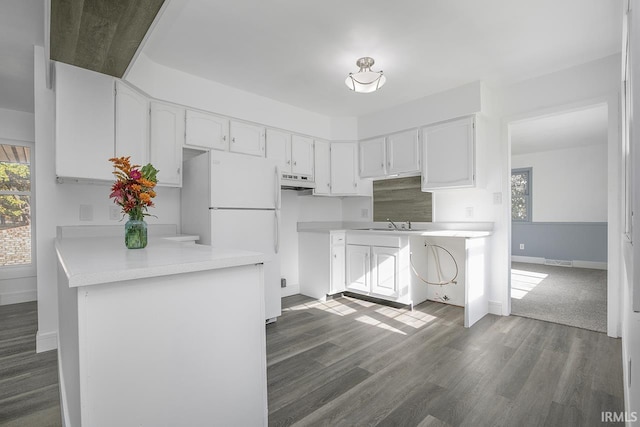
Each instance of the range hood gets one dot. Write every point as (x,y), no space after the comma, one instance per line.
(296,182)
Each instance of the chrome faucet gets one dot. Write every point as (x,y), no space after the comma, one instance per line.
(409,225)
(392,223)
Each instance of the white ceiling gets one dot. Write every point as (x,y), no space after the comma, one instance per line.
(21,27)
(299,52)
(564,130)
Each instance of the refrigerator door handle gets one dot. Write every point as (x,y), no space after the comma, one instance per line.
(277,189)
(276,226)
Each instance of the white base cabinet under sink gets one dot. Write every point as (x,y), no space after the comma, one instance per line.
(378,266)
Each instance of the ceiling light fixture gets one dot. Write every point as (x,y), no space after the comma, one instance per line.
(365,80)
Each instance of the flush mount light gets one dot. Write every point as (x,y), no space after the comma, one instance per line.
(365,80)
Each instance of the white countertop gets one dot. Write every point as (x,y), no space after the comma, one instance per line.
(468,234)
(90,261)
(434,229)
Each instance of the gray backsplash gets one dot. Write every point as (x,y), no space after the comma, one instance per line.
(401,199)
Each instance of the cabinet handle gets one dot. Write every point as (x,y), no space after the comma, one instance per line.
(335,255)
(355,184)
(288,162)
(381,165)
(389,164)
(224,137)
(178,171)
(233,139)
(295,163)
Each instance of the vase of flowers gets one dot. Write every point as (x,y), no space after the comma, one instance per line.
(133,191)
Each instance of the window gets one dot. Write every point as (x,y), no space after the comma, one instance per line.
(521,195)
(15,205)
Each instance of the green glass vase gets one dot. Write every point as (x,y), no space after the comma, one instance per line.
(135,234)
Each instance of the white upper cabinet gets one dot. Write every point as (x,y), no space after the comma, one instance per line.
(448,155)
(165,145)
(343,168)
(247,139)
(132,124)
(207,131)
(322,161)
(302,155)
(279,149)
(403,153)
(84,123)
(372,158)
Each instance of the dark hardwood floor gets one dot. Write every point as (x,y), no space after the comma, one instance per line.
(352,363)
(29,394)
(348,362)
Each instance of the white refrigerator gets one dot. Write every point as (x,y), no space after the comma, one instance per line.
(233,201)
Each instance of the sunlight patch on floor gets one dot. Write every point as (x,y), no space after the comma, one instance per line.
(373,322)
(522,282)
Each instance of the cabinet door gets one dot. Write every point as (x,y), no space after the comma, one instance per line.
(207,131)
(372,158)
(279,149)
(84,123)
(132,124)
(448,155)
(165,145)
(302,155)
(358,266)
(403,153)
(343,168)
(247,139)
(322,161)
(338,256)
(384,271)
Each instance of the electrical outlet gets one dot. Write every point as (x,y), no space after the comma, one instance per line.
(364,213)
(468,212)
(283,282)
(522,246)
(114,213)
(86,213)
(497,198)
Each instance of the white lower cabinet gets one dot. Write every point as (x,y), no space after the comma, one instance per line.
(358,268)
(384,271)
(321,257)
(378,266)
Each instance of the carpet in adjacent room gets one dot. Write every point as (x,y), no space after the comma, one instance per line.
(566,295)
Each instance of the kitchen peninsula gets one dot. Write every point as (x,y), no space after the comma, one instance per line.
(172,334)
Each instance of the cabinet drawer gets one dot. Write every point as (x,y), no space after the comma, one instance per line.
(338,238)
(373,239)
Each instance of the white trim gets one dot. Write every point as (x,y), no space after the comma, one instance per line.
(527,259)
(590,264)
(46,341)
(576,263)
(495,307)
(18,297)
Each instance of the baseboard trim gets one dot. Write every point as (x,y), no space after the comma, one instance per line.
(591,264)
(576,263)
(527,259)
(46,341)
(289,290)
(495,307)
(18,297)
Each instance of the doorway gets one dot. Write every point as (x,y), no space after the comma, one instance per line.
(559,228)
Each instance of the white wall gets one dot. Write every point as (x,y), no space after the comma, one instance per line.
(568,185)
(59,204)
(186,89)
(17,284)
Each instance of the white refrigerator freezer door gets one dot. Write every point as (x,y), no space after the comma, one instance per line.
(241,181)
(252,230)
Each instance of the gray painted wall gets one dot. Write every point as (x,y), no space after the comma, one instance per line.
(582,241)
